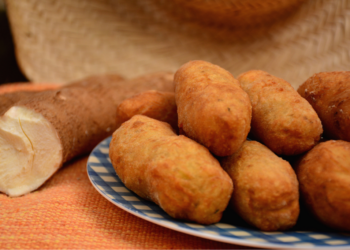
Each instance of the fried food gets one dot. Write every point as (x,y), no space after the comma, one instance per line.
(265,187)
(175,172)
(155,104)
(329,95)
(282,120)
(324,178)
(212,107)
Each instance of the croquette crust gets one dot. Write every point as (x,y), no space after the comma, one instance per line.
(212,107)
(282,120)
(266,191)
(324,178)
(175,172)
(329,95)
(155,104)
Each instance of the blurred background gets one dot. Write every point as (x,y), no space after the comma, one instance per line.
(59,41)
(10,71)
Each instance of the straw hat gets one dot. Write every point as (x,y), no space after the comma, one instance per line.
(62,40)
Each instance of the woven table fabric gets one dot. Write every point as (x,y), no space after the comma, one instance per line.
(68,213)
(13,87)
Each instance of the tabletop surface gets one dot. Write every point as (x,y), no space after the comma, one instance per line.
(68,212)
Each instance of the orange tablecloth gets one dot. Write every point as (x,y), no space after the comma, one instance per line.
(67,212)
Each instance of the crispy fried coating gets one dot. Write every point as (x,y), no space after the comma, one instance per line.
(329,95)
(175,172)
(324,179)
(282,120)
(212,107)
(155,104)
(265,187)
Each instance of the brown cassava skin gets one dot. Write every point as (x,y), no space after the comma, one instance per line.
(282,120)
(324,179)
(329,95)
(265,187)
(12,93)
(9,99)
(155,104)
(83,112)
(175,172)
(212,107)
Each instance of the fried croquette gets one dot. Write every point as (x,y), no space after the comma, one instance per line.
(329,95)
(175,172)
(324,179)
(154,104)
(266,191)
(212,107)
(282,120)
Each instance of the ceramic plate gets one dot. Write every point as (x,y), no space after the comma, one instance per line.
(228,230)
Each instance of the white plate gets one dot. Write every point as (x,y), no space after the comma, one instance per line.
(229,229)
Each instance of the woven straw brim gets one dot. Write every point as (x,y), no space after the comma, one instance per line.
(60,41)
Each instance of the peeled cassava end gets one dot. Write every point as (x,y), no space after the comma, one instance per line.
(30,151)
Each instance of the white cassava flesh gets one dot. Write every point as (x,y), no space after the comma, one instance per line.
(30,151)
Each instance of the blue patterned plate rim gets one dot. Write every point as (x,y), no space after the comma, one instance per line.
(107,183)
